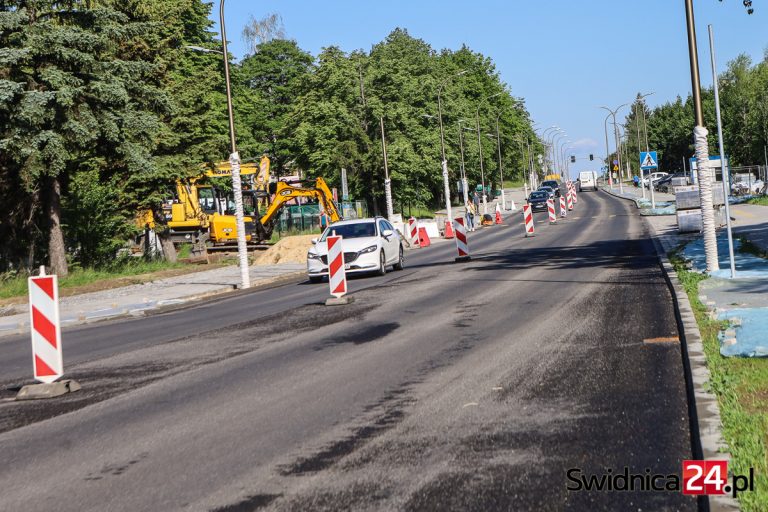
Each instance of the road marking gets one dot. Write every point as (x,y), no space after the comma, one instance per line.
(470,404)
(497,388)
(668,339)
(611,216)
(596,217)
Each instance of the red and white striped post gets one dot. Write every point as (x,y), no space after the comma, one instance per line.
(551,210)
(563,209)
(570,199)
(413,229)
(462,246)
(47,359)
(337,276)
(528,219)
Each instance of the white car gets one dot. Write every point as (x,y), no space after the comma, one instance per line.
(370,245)
(655,176)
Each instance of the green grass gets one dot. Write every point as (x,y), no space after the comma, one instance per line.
(741,386)
(418,212)
(513,184)
(15,285)
(762,201)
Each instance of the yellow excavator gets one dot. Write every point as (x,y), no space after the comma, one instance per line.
(203,214)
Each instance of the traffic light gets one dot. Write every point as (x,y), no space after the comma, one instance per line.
(591,156)
(573,159)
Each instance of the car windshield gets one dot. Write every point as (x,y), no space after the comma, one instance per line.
(355,230)
(539,195)
(545,189)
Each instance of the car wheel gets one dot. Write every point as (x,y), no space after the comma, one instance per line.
(401,260)
(382,264)
(315,279)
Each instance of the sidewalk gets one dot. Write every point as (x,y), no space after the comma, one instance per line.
(743,300)
(135,299)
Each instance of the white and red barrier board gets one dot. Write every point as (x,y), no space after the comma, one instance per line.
(563,210)
(413,228)
(570,200)
(551,210)
(461,237)
(45,328)
(337,277)
(528,219)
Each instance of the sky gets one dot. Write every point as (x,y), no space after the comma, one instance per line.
(566,58)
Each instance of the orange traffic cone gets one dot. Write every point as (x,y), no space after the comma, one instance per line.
(448,229)
(498,217)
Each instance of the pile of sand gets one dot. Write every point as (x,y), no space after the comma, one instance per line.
(291,249)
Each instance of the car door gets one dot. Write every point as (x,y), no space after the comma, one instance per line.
(394,242)
(387,244)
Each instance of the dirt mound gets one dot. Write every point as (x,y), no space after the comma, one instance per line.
(291,249)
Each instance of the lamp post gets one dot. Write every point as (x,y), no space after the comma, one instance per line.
(616,136)
(464,182)
(702,150)
(387,181)
(501,165)
(446,183)
(640,99)
(480,149)
(556,144)
(608,153)
(234,161)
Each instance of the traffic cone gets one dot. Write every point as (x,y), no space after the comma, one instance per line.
(498,217)
(448,229)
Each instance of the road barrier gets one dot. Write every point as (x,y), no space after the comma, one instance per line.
(462,247)
(570,200)
(498,215)
(337,276)
(528,219)
(424,240)
(551,210)
(448,229)
(47,358)
(563,210)
(413,229)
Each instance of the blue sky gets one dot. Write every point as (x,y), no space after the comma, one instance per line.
(565,57)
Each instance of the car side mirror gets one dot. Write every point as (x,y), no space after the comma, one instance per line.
(387,233)
(314,241)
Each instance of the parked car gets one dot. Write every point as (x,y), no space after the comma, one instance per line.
(548,190)
(538,200)
(553,184)
(370,246)
(653,177)
(665,184)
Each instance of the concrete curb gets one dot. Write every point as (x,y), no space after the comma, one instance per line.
(167,305)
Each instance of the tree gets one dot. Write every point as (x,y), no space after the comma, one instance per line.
(72,101)
(257,32)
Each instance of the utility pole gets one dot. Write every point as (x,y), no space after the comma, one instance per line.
(501,166)
(387,181)
(464,182)
(723,160)
(702,150)
(234,162)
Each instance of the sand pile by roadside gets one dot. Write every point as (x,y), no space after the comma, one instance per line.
(291,249)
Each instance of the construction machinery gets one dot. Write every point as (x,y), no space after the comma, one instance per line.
(203,214)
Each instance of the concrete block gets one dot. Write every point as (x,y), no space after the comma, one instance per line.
(52,390)
(339,301)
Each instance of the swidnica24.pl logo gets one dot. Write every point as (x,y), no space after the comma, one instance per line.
(698,477)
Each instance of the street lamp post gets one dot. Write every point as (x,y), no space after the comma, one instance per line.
(640,99)
(608,153)
(616,137)
(446,183)
(387,181)
(480,149)
(501,165)
(464,182)
(702,150)
(234,161)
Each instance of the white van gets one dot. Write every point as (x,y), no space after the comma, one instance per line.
(588,180)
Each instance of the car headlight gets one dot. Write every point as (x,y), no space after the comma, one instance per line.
(369,249)
(313,256)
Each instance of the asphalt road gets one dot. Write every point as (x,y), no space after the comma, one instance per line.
(447,386)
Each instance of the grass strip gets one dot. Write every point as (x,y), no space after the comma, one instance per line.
(741,387)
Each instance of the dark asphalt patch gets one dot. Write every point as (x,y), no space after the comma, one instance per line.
(360,335)
(250,503)
(331,454)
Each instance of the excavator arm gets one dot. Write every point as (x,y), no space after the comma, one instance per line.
(285,192)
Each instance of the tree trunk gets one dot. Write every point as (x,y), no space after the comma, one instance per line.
(57,252)
(169,251)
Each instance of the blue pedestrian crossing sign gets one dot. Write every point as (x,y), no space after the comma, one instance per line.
(648,160)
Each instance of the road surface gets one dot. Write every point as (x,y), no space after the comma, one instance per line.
(446,386)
